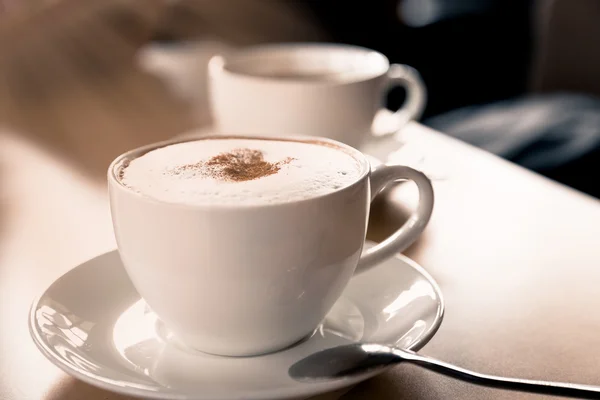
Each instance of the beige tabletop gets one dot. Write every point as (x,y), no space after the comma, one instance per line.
(517,256)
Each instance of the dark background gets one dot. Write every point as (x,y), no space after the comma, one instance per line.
(476,56)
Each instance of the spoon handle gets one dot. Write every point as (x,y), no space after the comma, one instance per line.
(526,385)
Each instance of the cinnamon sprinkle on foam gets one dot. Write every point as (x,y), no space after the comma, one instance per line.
(237,165)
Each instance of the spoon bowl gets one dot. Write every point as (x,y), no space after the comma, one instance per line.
(343,361)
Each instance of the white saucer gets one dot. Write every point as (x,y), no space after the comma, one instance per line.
(92,324)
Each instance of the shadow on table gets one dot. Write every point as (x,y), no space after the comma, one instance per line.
(73,389)
(390,386)
(386,217)
(3,197)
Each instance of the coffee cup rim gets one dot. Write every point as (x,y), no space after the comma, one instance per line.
(218,64)
(117,163)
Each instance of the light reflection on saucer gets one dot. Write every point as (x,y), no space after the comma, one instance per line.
(418,289)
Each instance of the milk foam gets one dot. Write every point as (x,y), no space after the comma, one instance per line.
(312,171)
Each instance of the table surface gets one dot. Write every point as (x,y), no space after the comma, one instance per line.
(516,255)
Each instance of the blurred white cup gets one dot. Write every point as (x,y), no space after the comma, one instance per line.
(327,90)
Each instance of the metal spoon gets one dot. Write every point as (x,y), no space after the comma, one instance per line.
(354,359)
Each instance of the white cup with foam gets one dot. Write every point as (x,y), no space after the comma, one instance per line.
(249,261)
(328,90)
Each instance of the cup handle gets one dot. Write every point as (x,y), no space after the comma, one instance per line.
(411,229)
(416,98)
